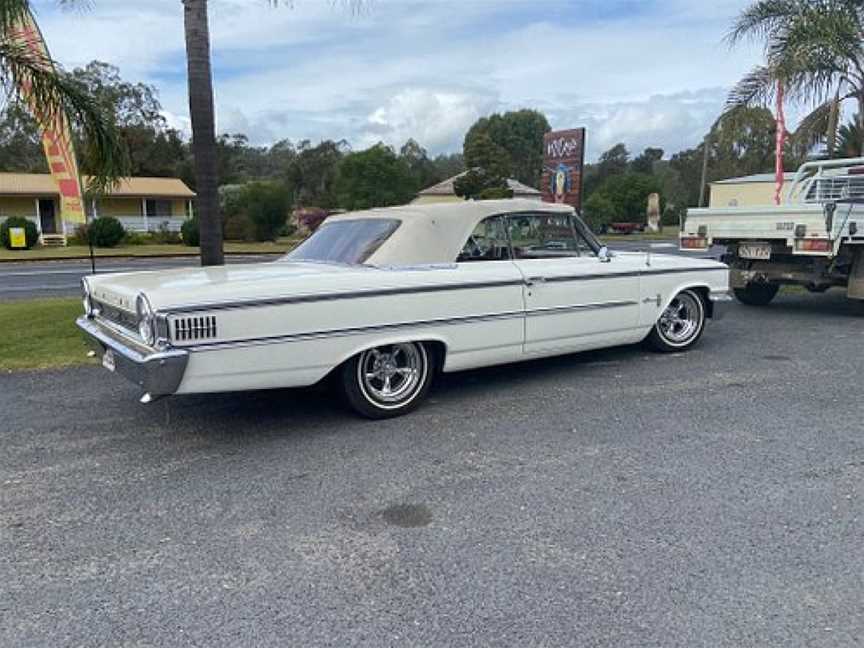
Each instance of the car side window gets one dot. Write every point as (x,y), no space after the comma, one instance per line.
(488,242)
(544,236)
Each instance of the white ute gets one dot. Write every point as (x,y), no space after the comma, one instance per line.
(814,238)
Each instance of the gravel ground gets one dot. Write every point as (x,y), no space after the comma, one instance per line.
(617,498)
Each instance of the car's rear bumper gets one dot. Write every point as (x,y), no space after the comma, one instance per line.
(158,373)
(719,304)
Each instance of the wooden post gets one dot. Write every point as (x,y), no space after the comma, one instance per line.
(38,217)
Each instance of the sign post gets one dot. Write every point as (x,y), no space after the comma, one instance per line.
(563,162)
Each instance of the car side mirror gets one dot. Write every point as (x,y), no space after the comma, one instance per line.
(604,255)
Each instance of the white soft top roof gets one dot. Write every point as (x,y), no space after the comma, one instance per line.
(436,233)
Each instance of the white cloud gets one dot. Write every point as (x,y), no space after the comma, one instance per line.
(650,73)
(437,119)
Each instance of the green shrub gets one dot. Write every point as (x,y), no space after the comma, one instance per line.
(495,193)
(267,208)
(31,234)
(164,235)
(239,227)
(189,232)
(106,231)
(288,229)
(136,238)
(256,211)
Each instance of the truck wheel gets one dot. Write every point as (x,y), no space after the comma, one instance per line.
(388,381)
(757,294)
(681,325)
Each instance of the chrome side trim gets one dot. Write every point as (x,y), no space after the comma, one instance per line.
(357,330)
(305,299)
(386,292)
(634,273)
(448,321)
(554,310)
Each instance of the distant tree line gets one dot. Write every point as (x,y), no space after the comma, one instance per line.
(330,175)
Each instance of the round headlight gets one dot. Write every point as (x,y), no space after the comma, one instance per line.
(146,320)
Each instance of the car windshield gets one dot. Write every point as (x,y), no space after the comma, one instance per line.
(344,241)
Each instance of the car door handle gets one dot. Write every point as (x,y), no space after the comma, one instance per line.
(533,281)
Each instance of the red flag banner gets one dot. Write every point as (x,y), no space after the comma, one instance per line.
(781,141)
(56,133)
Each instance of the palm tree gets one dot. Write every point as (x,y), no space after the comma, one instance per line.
(814,50)
(203,125)
(200,81)
(57,95)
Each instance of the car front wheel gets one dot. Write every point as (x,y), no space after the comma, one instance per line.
(681,324)
(389,380)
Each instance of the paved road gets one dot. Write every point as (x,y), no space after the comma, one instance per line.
(63,278)
(619,498)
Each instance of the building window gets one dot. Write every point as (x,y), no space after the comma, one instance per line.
(157,208)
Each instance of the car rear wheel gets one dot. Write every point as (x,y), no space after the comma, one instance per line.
(757,294)
(681,324)
(389,380)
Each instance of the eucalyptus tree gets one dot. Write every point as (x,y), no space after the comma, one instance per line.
(814,51)
(57,94)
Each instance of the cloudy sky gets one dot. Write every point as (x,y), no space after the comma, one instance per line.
(646,72)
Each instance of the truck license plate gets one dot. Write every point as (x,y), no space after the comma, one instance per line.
(108,360)
(755,251)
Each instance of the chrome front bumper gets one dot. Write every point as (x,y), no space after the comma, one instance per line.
(158,373)
(719,304)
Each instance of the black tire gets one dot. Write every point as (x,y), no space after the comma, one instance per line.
(757,294)
(673,333)
(363,381)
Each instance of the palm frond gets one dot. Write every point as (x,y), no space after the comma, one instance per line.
(12,13)
(56,95)
(756,88)
(814,127)
(761,19)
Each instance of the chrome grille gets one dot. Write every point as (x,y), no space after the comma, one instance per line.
(116,315)
(194,328)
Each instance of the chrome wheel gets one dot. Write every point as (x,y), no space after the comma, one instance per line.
(682,320)
(391,376)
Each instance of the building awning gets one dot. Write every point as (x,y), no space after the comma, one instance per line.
(42,184)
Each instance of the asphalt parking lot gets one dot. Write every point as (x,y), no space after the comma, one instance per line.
(616,498)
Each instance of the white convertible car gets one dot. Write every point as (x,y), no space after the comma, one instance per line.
(384,299)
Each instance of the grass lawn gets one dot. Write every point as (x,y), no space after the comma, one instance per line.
(41,334)
(83,252)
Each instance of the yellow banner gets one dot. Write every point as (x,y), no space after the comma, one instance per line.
(56,134)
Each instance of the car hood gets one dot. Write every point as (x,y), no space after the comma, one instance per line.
(197,285)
